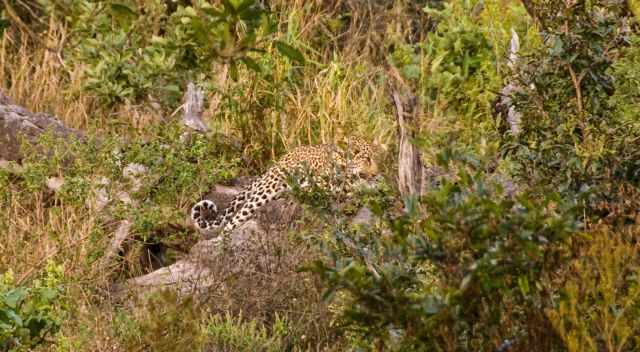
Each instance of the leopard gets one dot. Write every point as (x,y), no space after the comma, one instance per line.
(333,167)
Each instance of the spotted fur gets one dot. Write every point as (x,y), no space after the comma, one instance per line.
(327,165)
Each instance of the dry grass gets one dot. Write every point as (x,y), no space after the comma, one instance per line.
(260,283)
(599,308)
(263,282)
(37,79)
(344,88)
(342,91)
(345,95)
(35,234)
(345,101)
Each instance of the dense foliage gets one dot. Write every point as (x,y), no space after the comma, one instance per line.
(29,314)
(573,137)
(129,56)
(471,267)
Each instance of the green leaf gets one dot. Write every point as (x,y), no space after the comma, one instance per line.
(558,47)
(15,296)
(124,15)
(245,5)
(437,61)
(251,64)
(4,24)
(251,14)
(172,88)
(523,284)
(17,320)
(411,71)
(328,295)
(200,31)
(49,294)
(122,10)
(188,11)
(229,7)
(36,325)
(233,70)
(212,12)
(432,306)
(289,51)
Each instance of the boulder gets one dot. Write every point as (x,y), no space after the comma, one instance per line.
(196,273)
(16,123)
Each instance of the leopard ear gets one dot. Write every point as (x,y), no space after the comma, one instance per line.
(353,144)
(347,145)
(342,143)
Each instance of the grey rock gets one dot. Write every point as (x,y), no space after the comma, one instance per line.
(17,122)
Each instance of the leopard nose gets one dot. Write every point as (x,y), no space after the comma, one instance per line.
(365,173)
(370,171)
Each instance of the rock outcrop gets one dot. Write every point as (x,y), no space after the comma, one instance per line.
(196,272)
(16,123)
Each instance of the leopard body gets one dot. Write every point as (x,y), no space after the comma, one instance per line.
(327,165)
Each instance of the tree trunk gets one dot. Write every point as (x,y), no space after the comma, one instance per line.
(410,168)
(193,107)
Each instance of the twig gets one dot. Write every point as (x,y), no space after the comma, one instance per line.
(576,86)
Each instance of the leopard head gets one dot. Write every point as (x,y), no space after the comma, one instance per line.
(361,156)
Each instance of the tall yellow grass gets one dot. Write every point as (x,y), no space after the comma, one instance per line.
(35,77)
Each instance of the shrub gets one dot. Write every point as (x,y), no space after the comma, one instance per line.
(599,308)
(165,322)
(172,170)
(453,73)
(30,314)
(462,63)
(465,269)
(135,50)
(232,334)
(571,138)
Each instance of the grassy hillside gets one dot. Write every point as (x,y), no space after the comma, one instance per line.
(525,238)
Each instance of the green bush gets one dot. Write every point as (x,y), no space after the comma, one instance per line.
(626,78)
(165,322)
(134,50)
(462,63)
(599,308)
(31,314)
(232,334)
(469,267)
(453,73)
(174,170)
(572,138)
(465,269)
